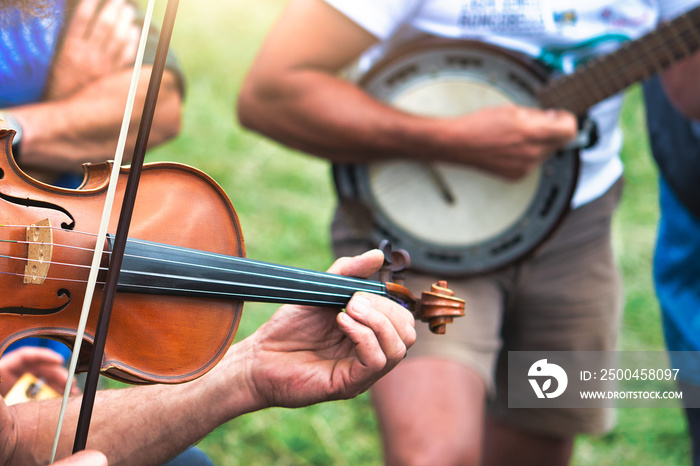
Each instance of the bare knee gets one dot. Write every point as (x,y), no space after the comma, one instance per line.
(450,451)
(430,412)
(506,444)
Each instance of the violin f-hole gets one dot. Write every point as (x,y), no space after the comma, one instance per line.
(35,311)
(43,205)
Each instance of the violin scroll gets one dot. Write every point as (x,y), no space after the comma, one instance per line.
(438,307)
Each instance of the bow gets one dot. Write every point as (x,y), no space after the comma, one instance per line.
(123,225)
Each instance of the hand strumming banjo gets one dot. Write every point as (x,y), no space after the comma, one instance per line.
(458,220)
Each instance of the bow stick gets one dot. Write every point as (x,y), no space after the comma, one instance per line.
(122,232)
(99,245)
(123,225)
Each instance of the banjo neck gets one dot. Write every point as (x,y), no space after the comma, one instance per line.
(635,61)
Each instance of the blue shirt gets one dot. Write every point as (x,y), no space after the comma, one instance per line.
(675,144)
(26,52)
(677,281)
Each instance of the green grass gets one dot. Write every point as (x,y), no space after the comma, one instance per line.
(642,436)
(285,201)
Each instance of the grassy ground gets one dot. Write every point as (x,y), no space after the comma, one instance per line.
(285,200)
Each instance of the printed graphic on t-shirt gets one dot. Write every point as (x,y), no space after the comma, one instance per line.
(537,17)
(566,59)
(562,34)
(521,16)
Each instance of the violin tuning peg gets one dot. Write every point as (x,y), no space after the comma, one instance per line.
(401,263)
(396,263)
(401,260)
(385,247)
(385,270)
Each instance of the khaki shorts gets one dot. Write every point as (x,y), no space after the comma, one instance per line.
(565,296)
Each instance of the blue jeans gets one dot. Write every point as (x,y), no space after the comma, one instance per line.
(193,456)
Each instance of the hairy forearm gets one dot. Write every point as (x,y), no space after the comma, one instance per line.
(139,425)
(332,118)
(61,135)
(318,113)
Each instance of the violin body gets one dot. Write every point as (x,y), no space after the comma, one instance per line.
(176,204)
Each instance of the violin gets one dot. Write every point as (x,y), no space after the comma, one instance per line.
(184,274)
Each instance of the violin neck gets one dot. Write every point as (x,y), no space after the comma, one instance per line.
(155,268)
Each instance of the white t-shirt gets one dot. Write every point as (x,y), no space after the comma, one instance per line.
(559,32)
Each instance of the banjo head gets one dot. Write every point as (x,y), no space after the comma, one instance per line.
(454,219)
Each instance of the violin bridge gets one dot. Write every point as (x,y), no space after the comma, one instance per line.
(39,251)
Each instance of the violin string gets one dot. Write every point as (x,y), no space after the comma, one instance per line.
(348,283)
(39,243)
(256,297)
(242,260)
(240,295)
(252,285)
(163,246)
(24,259)
(231,259)
(22,275)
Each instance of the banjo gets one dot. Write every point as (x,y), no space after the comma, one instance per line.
(459,220)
